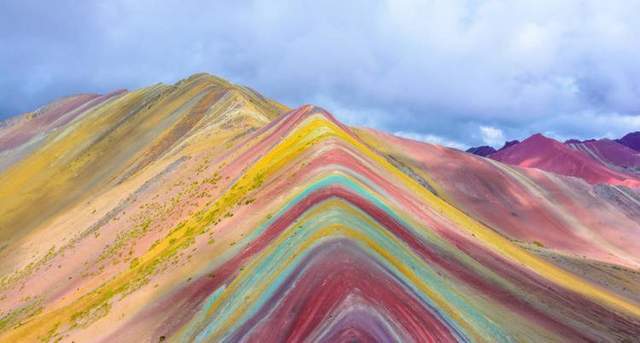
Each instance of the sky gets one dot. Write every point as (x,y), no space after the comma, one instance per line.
(455,72)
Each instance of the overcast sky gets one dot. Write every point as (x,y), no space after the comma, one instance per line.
(460,73)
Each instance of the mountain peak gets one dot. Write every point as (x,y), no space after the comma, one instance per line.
(539,137)
(631,140)
(204,78)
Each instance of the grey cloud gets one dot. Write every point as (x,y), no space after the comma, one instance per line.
(438,67)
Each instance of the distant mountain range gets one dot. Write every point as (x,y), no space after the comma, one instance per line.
(607,161)
(204,212)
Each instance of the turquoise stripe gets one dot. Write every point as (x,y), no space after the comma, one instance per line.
(282,253)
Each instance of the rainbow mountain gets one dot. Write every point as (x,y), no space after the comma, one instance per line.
(203,211)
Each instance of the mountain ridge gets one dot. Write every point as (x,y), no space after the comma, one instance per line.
(238,224)
(610,162)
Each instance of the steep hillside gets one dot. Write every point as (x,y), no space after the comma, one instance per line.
(203,212)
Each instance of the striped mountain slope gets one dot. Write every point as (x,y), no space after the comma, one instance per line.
(610,153)
(205,212)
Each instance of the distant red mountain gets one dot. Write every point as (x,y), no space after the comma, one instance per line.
(594,160)
(548,154)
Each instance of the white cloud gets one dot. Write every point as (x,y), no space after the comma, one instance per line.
(492,136)
(429,138)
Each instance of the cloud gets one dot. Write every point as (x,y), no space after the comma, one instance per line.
(428,138)
(438,67)
(492,136)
